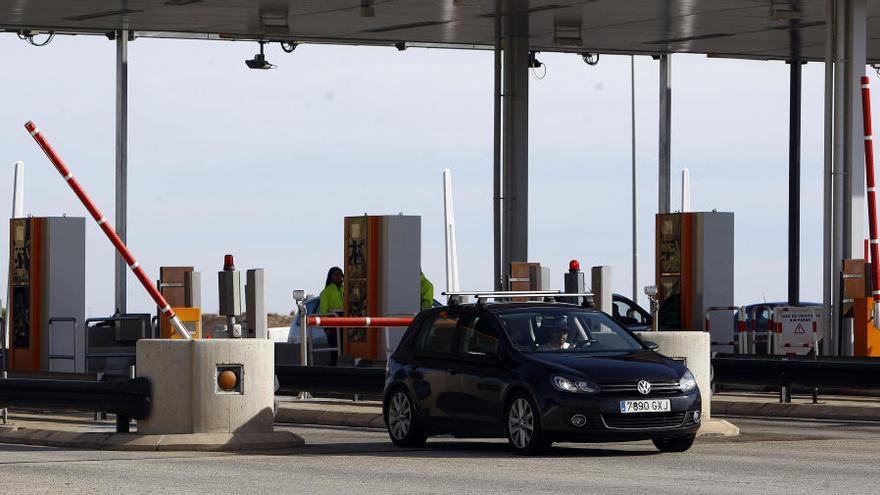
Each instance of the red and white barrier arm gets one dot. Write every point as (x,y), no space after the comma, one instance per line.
(872,194)
(358,321)
(108,230)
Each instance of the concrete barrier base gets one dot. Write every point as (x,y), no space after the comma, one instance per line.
(208,386)
(692,348)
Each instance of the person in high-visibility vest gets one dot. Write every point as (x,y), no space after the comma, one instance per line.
(331,302)
(426,292)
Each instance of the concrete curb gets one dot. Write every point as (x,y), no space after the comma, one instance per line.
(361,419)
(717,428)
(199,442)
(791,410)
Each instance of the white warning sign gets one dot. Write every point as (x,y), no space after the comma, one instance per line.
(800,329)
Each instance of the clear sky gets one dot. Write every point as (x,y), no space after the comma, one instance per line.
(265,164)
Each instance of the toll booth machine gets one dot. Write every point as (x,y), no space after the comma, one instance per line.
(695,270)
(382,266)
(47,294)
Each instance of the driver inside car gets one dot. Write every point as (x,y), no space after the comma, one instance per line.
(557,336)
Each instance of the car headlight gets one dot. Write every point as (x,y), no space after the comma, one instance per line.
(574,385)
(687,382)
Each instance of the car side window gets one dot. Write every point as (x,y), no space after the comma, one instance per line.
(478,336)
(439,335)
(628,314)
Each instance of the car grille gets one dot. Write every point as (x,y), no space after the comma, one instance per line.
(657,388)
(648,420)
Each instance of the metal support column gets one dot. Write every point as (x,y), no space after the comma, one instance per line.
(828,277)
(854,185)
(665,173)
(515,142)
(635,184)
(838,156)
(848,161)
(121,164)
(794,164)
(855,49)
(498,277)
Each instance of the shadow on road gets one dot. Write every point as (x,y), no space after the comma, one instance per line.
(456,450)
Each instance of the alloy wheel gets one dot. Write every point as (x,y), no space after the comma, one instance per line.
(521,423)
(399,416)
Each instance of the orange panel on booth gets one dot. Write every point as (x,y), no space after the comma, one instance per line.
(866,336)
(191,319)
(382,266)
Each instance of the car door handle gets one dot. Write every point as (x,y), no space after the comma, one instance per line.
(451,371)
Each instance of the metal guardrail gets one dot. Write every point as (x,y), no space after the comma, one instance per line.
(771,371)
(784,371)
(130,399)
(329,379)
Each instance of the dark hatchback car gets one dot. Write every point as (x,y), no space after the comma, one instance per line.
(536,373)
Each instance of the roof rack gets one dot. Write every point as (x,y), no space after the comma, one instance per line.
(482,296)
(493,294)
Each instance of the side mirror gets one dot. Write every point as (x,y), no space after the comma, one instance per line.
(651,346)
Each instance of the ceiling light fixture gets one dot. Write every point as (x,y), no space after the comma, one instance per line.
(259,61)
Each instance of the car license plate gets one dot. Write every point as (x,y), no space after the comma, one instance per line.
(644,406)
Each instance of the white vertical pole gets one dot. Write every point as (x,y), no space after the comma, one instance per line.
(452,284)
(18,191)
(685,190)
(17,212)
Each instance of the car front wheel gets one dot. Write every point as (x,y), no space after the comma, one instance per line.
(400,420)
(524,426)
(677,444)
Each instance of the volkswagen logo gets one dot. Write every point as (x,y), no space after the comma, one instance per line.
(644,387)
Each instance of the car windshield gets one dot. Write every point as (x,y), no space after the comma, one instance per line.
(566,330)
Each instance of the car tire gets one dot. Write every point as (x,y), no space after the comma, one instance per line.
(675,444)
(522,422)
(400,414)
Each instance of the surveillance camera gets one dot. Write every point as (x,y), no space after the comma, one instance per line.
(259,62)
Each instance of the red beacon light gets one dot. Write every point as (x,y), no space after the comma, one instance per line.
(228,265)
(574,266)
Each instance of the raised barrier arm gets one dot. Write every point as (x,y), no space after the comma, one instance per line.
(120,246)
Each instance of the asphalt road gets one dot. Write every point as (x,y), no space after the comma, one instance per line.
(769,457)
